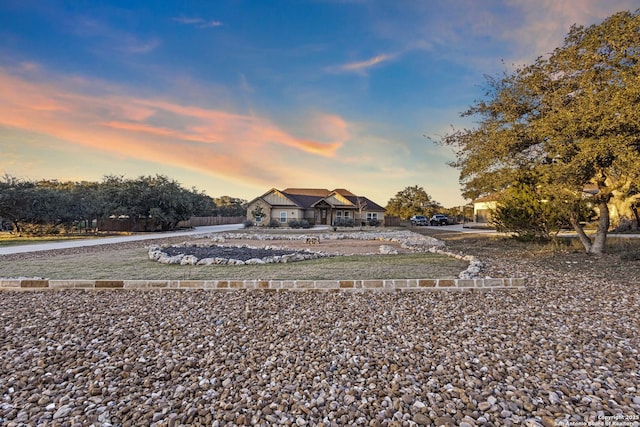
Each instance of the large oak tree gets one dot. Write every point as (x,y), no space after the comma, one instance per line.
(573,118)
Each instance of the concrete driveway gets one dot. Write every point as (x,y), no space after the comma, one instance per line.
(36,247)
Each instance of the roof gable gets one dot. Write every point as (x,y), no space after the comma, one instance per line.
(343,192)
(278,198)
(336,199)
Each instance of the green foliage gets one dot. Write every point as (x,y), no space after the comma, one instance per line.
(294,223)
(257,212)
(412,201)
(343,222)
(528,213)
(231,206)
(571,117)
(156,197)
(44,207)
(273,223)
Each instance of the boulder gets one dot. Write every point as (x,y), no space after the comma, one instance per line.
(388,250)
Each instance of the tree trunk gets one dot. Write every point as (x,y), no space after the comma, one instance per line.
(600,243)
(584,239)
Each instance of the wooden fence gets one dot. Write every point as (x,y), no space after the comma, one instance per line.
(146,225)
(391,221)
(201,221)
(127,225)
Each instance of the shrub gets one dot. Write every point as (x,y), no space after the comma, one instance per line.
(626,226)
(374,222)
(305,224)
(274,223)
(294,223)
(343,222)
(531,215)
(247,224)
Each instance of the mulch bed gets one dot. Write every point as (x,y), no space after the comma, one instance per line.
(228,252)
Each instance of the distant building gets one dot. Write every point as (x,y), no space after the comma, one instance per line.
(315,205)
(483,207)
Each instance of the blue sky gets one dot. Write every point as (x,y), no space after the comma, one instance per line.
(236,97)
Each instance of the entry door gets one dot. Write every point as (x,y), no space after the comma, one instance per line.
(323,216)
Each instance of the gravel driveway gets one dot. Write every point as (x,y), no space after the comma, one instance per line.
(563,350)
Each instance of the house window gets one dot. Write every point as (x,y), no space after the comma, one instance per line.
(283,217)
(339,214)
(372,215)
(346,214)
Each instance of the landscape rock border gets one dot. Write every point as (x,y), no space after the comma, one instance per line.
(407,239)
(158,253)
(468,280)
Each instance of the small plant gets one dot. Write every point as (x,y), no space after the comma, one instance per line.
(294,223)
(343,222)
(247,223)
(274,223)
(305,224)
(628,249)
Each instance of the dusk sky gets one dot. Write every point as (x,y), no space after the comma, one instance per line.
(236,97)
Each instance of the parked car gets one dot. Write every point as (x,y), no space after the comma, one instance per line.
(439,219)
(419,220)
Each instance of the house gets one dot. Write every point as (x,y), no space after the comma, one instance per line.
(483,207)
(315,205)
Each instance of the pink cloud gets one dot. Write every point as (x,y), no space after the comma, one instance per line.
(331,126)
(221,126)
(207,140)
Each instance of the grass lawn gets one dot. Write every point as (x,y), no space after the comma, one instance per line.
(134,264)
(130,261)
(9,239)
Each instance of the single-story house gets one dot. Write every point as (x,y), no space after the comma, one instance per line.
(315,205)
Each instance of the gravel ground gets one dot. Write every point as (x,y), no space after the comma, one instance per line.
(565,349)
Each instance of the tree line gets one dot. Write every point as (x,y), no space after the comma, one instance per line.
(51,206)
